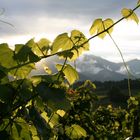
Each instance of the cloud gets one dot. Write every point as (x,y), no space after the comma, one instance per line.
(27,12)
(65,8)
(52,17)
(34,16)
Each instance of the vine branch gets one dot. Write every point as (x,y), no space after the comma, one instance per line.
(128,73)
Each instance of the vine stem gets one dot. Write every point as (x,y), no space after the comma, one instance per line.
(40,49)
(6,23)
(128,73)
(11,120)
(51,117)
(60,72)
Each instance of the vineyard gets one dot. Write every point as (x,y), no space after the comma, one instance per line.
(48,107)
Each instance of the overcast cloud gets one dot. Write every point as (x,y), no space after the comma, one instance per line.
(26,15)
(34,17)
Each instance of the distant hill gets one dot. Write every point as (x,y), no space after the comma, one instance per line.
(96,68)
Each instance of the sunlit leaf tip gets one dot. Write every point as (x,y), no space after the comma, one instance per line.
(95,25)
(99,26)
(61,43)
(70,73)
(129,14)
(138,3)
(75,132)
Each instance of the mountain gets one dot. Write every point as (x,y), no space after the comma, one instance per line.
(96,68)
(103,75)
(134,66)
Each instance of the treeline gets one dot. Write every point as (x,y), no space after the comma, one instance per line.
(114,92)
(123,84)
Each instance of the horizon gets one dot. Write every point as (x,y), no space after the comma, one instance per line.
(121,61)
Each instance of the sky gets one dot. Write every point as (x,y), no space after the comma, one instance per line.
(49,18)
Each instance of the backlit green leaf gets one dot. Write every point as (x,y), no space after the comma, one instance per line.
(75,132)
(70,73)
(95,26)
(108,23)
(61,43)
(42,47)
(68,54)
(24,60)
(47,70)
(34,133)
(80,44)
(20,130)
(22,71)
(53,119)
(31,44)
(138,3)
(24,53)
(76,53)
(129,14)
(61,112)
(79,39)
(99,26)
(6,56)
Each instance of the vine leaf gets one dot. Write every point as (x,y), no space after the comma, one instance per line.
(108,23)
(129,14)
(20,130)
(75,131)
(47,70)
(10,61)
(138,3)
(99,26)
(40,48)
(95,26)
(61,112)
(62,43)
(43,128)
(23,71)
(24,53)
(80,44)
(43,45)
(70,73)
(54,97)
(79,38)
(5,61)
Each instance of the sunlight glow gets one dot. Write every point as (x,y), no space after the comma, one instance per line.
(126,35)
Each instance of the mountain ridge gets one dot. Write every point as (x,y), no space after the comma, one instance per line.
(93,68)
(107,70)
